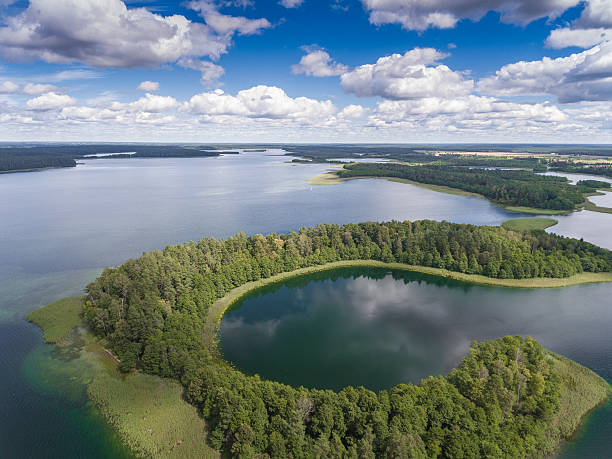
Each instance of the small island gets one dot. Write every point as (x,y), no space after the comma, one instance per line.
(157,317)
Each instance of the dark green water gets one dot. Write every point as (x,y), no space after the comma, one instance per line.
(59,228)
(379,328)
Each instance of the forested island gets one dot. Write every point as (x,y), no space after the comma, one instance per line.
(159,314)
(511,188)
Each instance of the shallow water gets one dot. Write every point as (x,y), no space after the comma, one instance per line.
(59,228)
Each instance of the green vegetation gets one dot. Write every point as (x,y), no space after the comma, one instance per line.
(158,314)
(580,392)
(505,187)
(151,416)
(58,319)
(534,211)
(21,163)
(595,184)
(603,169)
(149,412)
(504,400)
(588,205)
(32,157)
(529,224)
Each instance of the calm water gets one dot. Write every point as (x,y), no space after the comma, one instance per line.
(376,328)
(58,228)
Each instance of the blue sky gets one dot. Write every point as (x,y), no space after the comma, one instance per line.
(306,71)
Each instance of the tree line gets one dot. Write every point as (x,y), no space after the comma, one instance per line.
(15,158)
(152,311)
(27,162)
(506,187)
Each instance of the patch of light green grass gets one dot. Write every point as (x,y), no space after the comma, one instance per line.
(581,391)
(150,415)
(58,319)
(529,224)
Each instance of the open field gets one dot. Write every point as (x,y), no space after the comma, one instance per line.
(529,224)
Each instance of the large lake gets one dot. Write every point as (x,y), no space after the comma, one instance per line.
(58,228)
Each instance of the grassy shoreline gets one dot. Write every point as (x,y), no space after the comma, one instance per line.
(582,392)
(148,412)
(590,205)
(58,319)
(529,224)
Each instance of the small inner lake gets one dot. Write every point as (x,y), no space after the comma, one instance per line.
(378,328)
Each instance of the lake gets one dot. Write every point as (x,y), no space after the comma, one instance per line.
(60,227)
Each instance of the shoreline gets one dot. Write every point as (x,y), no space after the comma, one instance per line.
(148,413)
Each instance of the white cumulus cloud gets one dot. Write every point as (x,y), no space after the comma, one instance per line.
(585,76)
(50,101)
(8,87)
(259,102)
(210,72)
(105,33)
(408,76)
(149,86)
(150,103)
(444,14)
(594,26)
(353,111)
(317,62)
(224,24)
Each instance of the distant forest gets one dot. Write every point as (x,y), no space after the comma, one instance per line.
(17,158)
(37,156)
(329,151)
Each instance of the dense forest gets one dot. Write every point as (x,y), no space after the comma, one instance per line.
(593,184)
(332,155)
(9,162)
(152,311)
(396,151)
(506,187)
(36,156)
